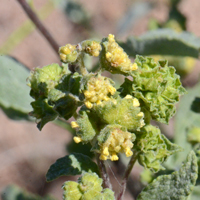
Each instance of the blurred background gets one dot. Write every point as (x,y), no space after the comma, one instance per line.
(25,152)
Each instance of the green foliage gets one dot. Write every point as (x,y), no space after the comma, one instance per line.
(176,186)
(73,147)
(163,42)
(185,120)
(88,188)
(195,193)
(156,86)
(110,121)
(127,114)
(13,76)
(73,164)
(154,148)
(13,192)
(56,93)
(87,125)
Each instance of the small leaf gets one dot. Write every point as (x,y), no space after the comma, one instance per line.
(71,165)
(13,192)
(154,148)
(176,186)
(163,42)
(43,112)
(14,93)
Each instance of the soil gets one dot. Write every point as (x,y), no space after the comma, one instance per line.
(25,152)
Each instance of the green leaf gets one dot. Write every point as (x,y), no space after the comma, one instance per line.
(71,165)
(154,148)
(43,112)
(195,194)
(13,192)
(73,147)
(163,42)
(14,93)
(185,120)
(176,186)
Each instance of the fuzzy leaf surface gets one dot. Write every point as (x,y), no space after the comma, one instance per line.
(163,42)
(176,186)
(71,165)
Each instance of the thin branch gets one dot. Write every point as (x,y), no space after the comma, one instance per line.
(134,186)
(103,173)
(126,175)
(31,14)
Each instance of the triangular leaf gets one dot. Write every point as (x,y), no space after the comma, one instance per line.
(71,165)
(176,186)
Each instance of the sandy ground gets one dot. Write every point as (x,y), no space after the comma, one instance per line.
(25,152)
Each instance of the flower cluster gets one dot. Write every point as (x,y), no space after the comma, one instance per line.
(68,53)
(88,188)
(114,59)
(112,120)
(91,47)
(97,89)
(113,139)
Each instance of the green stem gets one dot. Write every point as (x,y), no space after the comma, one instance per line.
(81,69)
(126,175)
(103,173)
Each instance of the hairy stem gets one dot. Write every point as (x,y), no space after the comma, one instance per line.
(126,175)
(81,69)
(103,173)
(31,14)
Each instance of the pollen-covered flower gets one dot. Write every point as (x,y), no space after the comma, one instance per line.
(114,59)
(91,47)
(98,88)
(114,139)
(68,53)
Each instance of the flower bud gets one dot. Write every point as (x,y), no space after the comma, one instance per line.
(68,53)
(91,47)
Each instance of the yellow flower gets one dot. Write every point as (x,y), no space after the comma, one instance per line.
(68,53)
(91,47)
(98,89)
(118,141)
(116,57)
